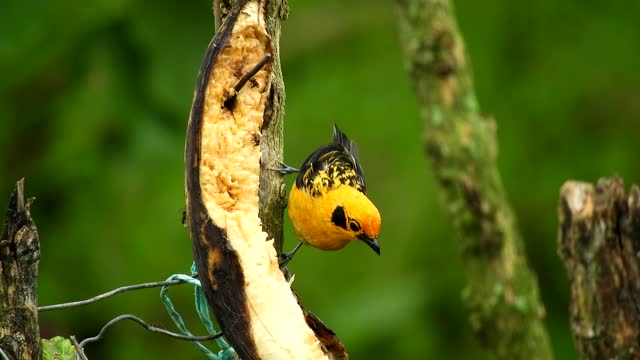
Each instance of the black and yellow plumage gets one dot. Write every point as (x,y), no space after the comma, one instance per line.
(331,166)
(328,205)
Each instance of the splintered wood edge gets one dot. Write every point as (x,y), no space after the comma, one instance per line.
(579,198)
(236,263)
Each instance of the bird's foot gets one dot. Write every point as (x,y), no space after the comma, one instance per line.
(284,169)
(288,256)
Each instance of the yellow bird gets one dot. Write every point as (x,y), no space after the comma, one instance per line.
(328,205)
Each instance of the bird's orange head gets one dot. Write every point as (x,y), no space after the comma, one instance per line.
(357,216)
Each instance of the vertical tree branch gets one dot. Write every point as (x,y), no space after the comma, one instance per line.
(599,242)
(502,294)
(217,14)
(272,186)
(19,257)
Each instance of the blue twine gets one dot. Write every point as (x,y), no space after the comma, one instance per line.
(226,352)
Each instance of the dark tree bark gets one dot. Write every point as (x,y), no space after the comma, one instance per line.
(505,310)
(19,257)
(599,242)
(273,191)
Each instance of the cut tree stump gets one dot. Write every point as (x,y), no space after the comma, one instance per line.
(19,257)
(599,242)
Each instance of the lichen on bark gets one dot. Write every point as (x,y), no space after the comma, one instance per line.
(502,297)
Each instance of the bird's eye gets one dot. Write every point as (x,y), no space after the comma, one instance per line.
(354,226)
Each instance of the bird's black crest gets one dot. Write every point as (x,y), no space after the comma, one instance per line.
(351,148)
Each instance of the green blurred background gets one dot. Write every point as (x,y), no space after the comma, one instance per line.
(94,99)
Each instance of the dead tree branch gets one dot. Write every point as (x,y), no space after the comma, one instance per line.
(19,258)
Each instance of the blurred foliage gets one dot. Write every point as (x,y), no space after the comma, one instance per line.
(94,99)
(58,348)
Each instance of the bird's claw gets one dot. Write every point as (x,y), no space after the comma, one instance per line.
(288,256)
(284,169)
(285,260)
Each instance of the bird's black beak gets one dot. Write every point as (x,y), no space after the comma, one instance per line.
(371,242)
